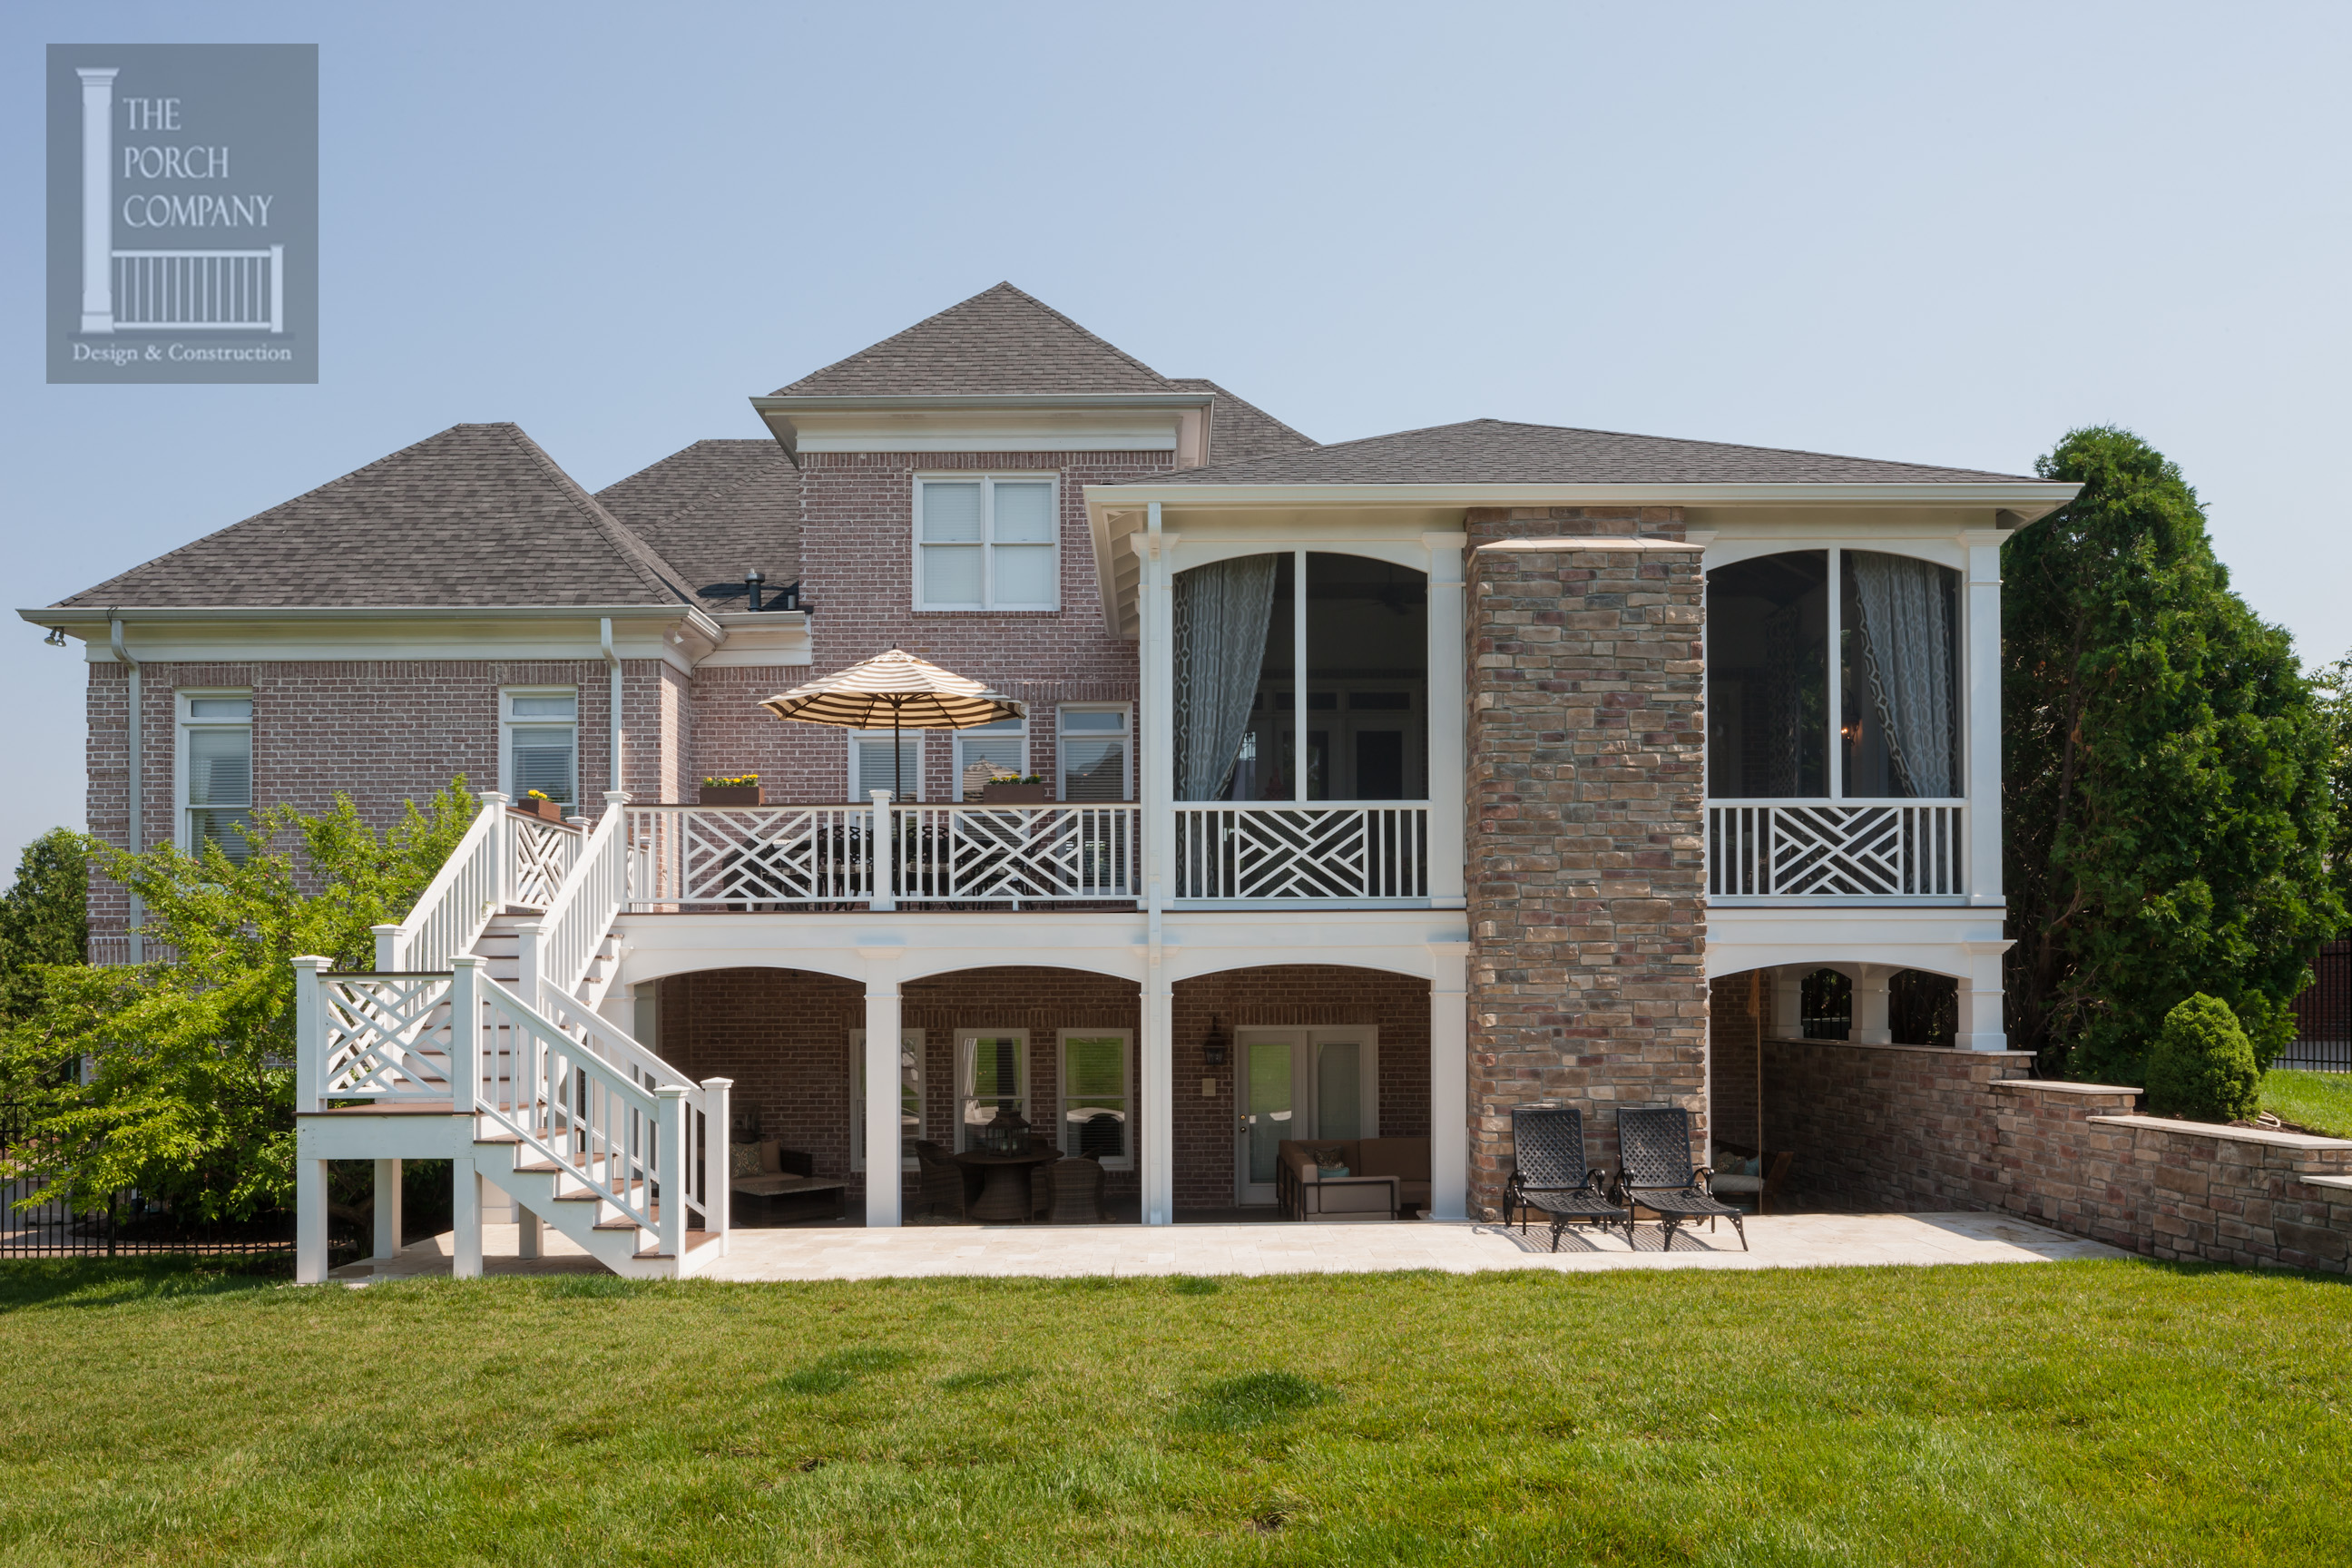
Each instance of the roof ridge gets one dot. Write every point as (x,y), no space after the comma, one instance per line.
(1700,441)
(659,576)
(994,318)
(1010,287)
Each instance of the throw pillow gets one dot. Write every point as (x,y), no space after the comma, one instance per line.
(743,1160)
(1330,1171)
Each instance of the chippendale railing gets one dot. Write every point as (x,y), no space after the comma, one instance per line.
(1263,849)
(1846,848)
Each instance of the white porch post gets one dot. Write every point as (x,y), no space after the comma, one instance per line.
(1156,1140)
(387,1208)
(309,1222)
(1448,732)
(530,961)
(1980,1025)
(885,863)
(466,1212)
(1870,1027)
(98,201)
(1788,1005)
(1449,1079)
(883,1010)
(527,1231)
(718,1159)
(674,1153)
(1156,1150)
(309,1079)
(387,948)
(502,847)
(1982,706)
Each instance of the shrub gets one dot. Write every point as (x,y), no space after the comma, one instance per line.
(2202,1065)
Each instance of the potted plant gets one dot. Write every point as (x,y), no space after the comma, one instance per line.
(1032,790)
(742,789)
(536,803)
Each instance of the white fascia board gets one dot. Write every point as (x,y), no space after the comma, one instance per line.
(1124,422)
(2029,499)
(762,638)
(302,633)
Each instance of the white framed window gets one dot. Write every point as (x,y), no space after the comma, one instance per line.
(991,1074)
(1096,760)
(987,747)
(910,1099)
(539,741)
(870,767)
(213,764)
(1096,1072)
(988,541)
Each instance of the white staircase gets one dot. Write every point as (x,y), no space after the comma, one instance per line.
(502,1059)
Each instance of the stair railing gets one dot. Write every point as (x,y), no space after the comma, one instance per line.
(457,905)
(555,950)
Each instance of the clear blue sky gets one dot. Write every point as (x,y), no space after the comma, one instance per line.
(1937,234)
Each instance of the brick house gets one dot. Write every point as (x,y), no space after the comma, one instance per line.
(1390,783)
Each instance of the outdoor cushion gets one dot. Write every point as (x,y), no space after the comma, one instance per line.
(1736,1183)
(743,1160)
(1407,1158)
(771,1155)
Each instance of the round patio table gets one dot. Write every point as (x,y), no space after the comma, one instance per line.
(1005,1195)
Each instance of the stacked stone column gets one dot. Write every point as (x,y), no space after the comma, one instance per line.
(1587,785)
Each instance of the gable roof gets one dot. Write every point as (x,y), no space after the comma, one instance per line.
(716,510)
(1240,430)
(477,515)
(999,341)
(1499,452)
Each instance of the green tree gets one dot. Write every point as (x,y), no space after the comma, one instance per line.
(189,1092)
(44,918)
(2168,776)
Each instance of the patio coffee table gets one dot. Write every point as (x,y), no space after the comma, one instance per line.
(780,1190)
(1005,1196)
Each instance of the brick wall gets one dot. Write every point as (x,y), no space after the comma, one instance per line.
(1906,1128)
(1586,782)
(1295,996)
(1735,1047)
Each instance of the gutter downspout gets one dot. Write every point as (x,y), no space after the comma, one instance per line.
(611,659)
(138,813)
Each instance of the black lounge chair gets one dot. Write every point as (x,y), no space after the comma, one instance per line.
(1654,1170)
(1549,1173)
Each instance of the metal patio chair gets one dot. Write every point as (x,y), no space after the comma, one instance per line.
(1655,1171)
(1549,1173)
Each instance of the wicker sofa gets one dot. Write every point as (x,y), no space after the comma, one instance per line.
(1387,1178)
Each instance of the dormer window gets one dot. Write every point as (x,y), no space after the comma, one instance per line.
(987,541)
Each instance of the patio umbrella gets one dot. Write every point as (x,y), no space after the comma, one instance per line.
(911,690)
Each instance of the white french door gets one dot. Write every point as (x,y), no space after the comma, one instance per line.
(1299,1084)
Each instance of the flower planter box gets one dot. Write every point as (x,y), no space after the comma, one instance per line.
(545,810)
(1017,794)
(734,794)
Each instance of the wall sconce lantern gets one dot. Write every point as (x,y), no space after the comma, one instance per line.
(1213,1044)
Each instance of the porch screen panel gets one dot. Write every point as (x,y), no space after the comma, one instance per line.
(1901,724)
(1339,1089)
(994,1078)
(1221,611)
(1367,679)
(1768,677)
(1094,1097)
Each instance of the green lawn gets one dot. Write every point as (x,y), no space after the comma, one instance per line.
(2080,1413)
(2319,1101)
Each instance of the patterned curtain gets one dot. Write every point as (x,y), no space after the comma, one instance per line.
(1221,612)
(1906,640)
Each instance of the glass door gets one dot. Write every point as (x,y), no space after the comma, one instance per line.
(1272,1063)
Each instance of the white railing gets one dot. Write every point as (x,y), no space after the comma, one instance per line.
(1013,854)
(455,906)
(543,854)
(1846,848)
(557,949)
(377,1036)
(753,857)
(200,290)
(1270,849)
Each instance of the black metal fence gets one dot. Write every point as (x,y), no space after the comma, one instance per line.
(128,1227)
(2323,1015)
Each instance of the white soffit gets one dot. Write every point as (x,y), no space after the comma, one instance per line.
(1140,423)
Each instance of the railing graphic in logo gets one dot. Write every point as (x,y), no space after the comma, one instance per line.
(217,290)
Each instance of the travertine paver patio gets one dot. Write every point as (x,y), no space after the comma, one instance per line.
(1792,1241)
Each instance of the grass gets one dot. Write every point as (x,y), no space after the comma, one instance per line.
(2080,1413)
(2319,1101)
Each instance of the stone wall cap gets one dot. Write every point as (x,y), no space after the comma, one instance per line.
(2344,1182)
(2228,1134)
(1937,1050)
(1592,541)
(2055,1086)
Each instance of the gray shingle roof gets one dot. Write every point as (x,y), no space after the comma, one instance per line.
(715,510)
(998,342)
(1240,430)
(477,515)
(1498,452)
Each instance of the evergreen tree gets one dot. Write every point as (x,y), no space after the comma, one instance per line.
(2168,776)
(44,918)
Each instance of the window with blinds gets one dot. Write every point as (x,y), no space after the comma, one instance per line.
(1095,753)
(870,767)
(987,544)
(986,750)
(1095,1096)
(216,773)
(543,742)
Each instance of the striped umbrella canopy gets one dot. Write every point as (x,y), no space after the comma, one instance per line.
(907,689)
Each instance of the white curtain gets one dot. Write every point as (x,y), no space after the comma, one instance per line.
(1221,611)
(1907,644)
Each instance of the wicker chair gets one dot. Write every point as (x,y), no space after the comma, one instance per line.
(943,1183)
(1655,1171)
(1078,1185)
(1549,1173)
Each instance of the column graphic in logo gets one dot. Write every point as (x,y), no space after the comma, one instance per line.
(184,212)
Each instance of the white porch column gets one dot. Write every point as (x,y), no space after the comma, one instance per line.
(883,1011)
(1788,1005)
(1982,708)
(309,1222)
(1449,1079)
(1870,1027)
(1448,721)
(98,201)
(1155,1094)
(1980,1026)
(885,898)
(466,1211)
(1156,1149)
(387,1208)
